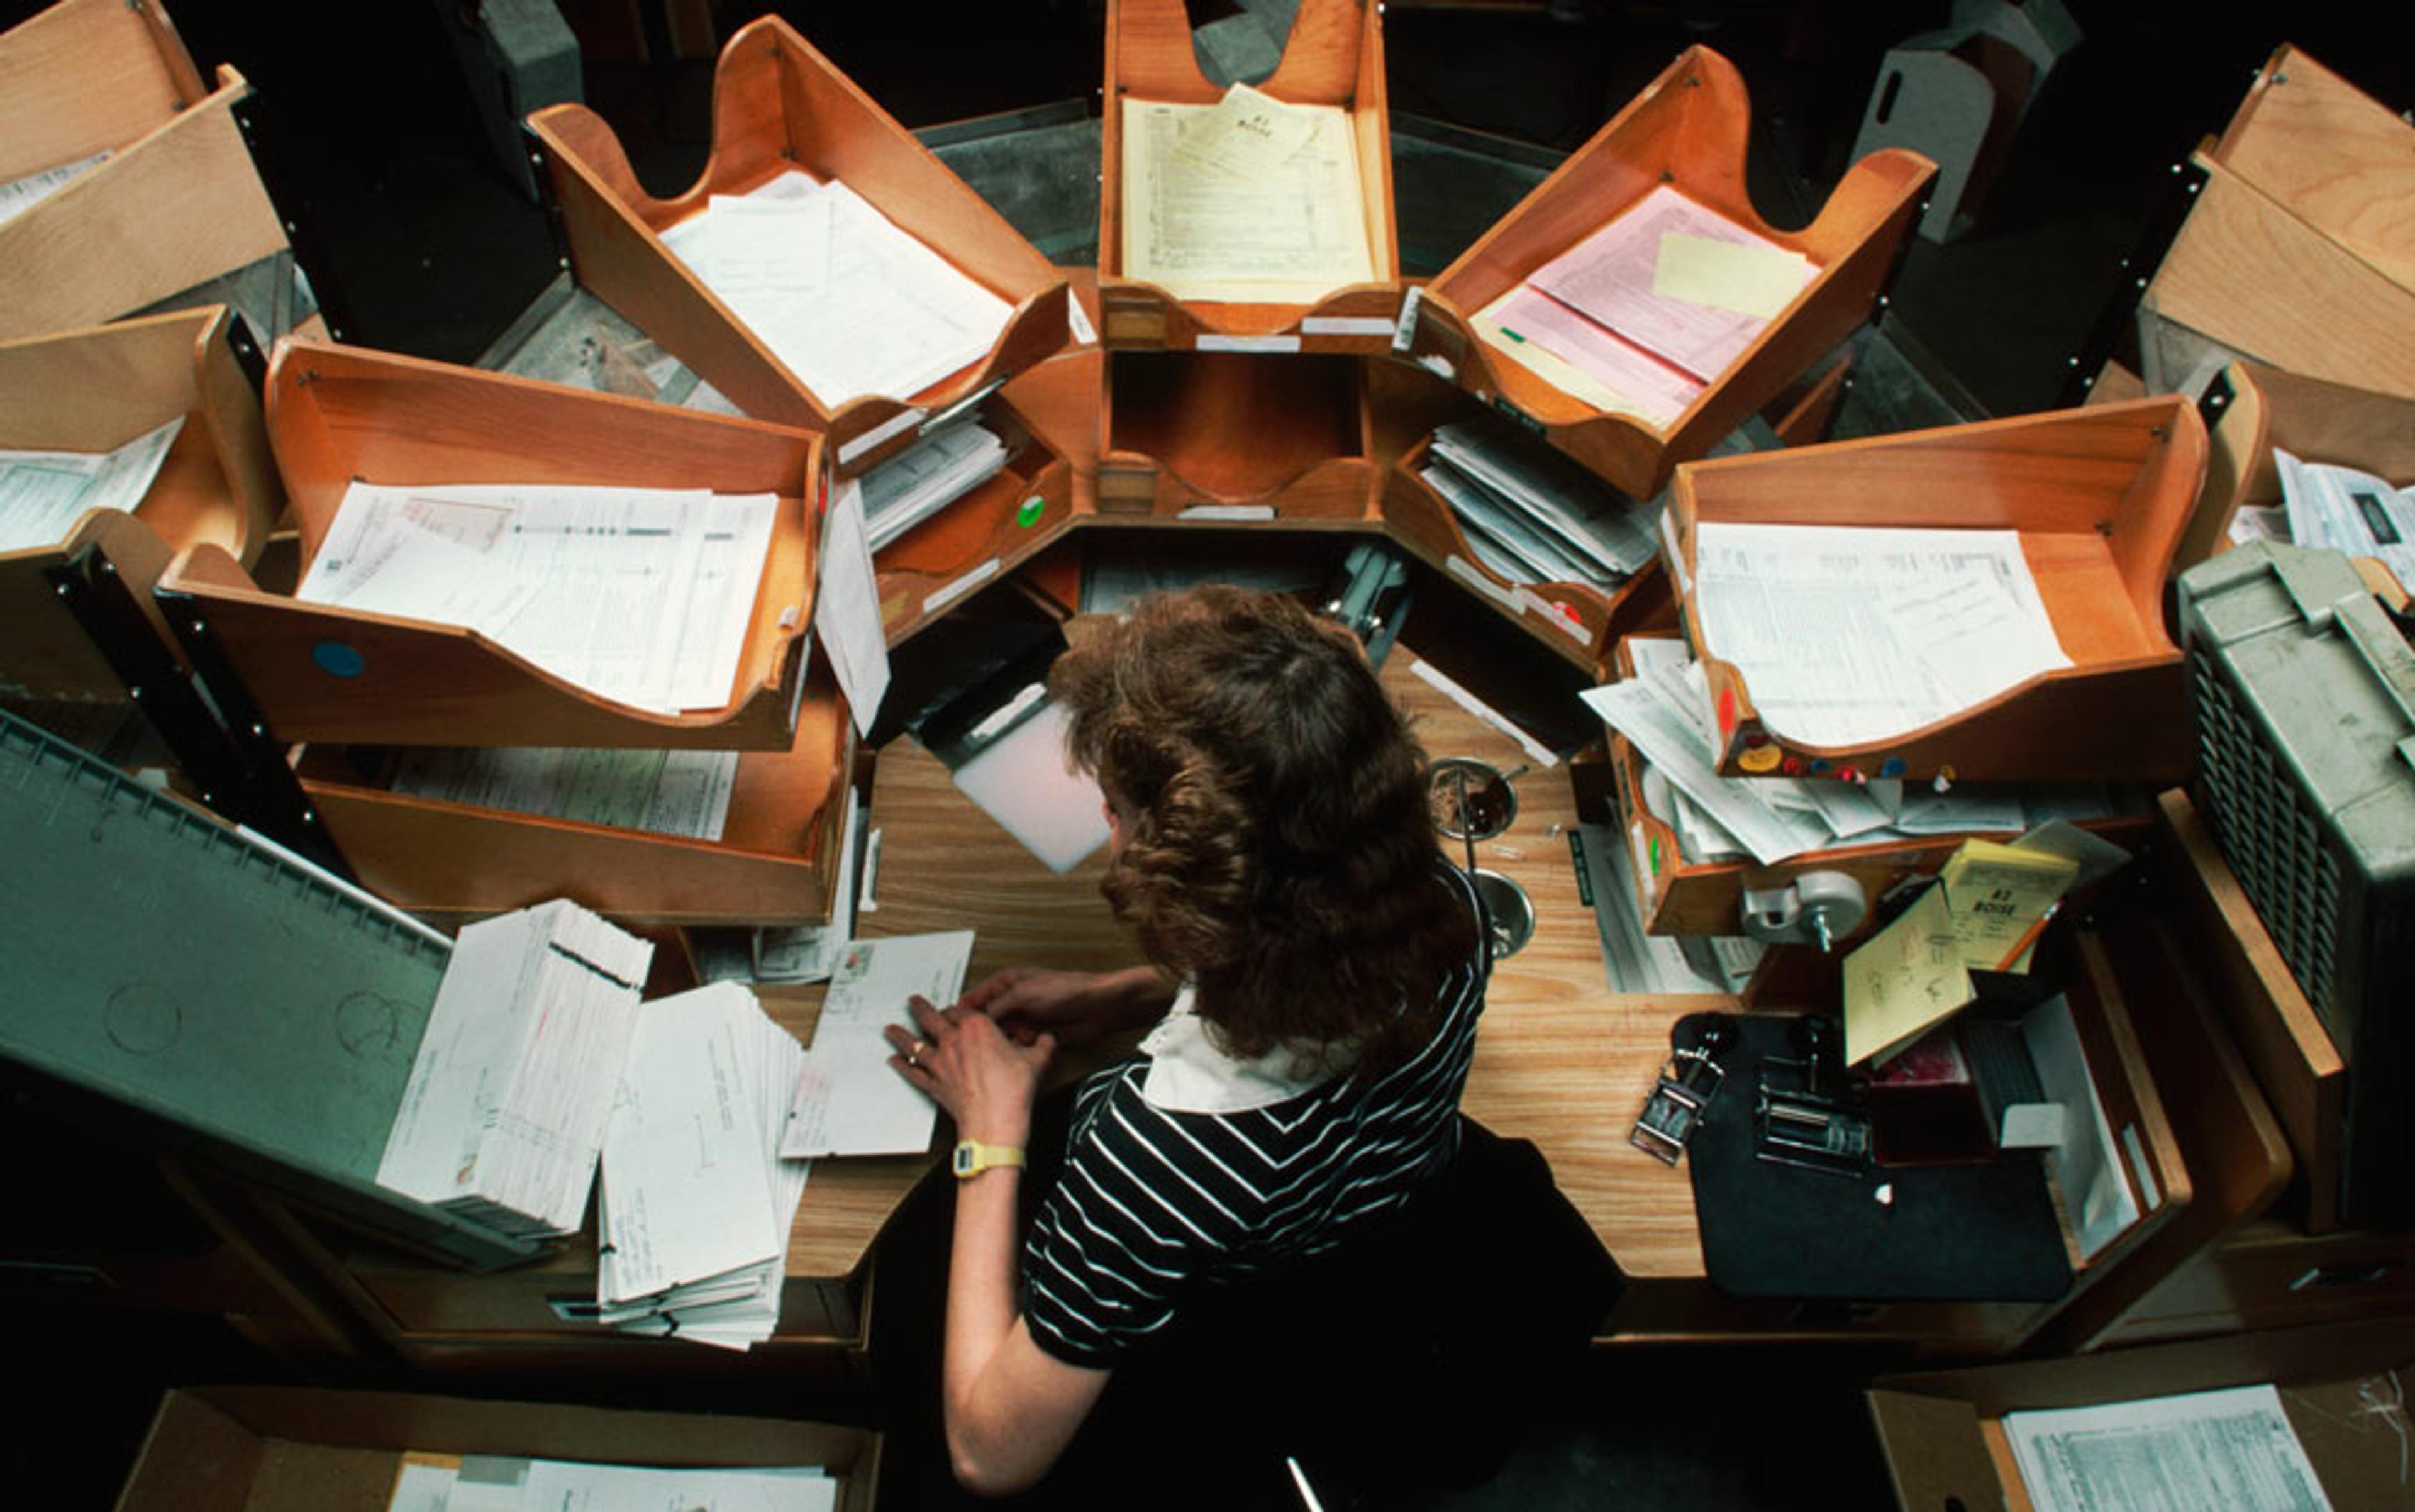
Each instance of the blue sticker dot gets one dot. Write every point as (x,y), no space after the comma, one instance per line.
(1893,767)
(336,659)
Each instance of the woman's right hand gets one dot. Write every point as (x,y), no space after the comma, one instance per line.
(1077,1007)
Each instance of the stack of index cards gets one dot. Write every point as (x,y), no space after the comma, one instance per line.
(503,1119)
(697,1203)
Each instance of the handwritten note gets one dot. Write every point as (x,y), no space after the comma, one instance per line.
(1904,978)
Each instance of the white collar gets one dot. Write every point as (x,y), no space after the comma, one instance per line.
(1189,1073)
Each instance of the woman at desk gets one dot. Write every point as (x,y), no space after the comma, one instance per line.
(1315,980)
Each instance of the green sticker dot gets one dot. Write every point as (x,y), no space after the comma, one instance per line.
(1029,514)
(1656,854)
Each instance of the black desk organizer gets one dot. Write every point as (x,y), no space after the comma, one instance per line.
(1954,1232)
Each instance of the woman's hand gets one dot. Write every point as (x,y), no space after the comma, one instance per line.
(1077,1007)
(969,1066)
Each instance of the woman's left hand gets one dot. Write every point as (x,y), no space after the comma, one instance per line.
(969,1066)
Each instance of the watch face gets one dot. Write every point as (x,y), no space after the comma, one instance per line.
(963,1159)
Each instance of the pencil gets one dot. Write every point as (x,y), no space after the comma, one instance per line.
(2029,935)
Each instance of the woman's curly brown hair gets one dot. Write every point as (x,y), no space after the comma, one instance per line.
(1277,849)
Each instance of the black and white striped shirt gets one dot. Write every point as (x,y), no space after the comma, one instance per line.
(1187,1166)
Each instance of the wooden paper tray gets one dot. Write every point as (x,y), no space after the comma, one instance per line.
(1282,437)
(779,105)
(2296,251)
(775,863)
(1687,129)
(94,389)
(1684,896)
(994,529)
(176,203)
(1334,56)
(337,413)
(1579,621)
(2100,497)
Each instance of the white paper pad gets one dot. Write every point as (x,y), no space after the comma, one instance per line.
(1022,780)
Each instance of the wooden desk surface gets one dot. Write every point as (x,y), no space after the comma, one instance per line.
(1559,1060)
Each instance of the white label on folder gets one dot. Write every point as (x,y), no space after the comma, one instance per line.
(1346,325)
(1077,320)
(940,598)
(1404,330)
(902,421)
(1228,512)
(1474,577)
(1675,557)
(1564,621)
(1248,343)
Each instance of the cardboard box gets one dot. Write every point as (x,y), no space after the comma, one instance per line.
(279,1449)
(2343,1387)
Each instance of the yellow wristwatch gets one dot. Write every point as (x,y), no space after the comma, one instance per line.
(973,1158)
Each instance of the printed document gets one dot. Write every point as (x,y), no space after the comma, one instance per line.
(850,1100)
(2209,1451)
(1613,279)
(2349,511)
(1258,201)
(847,301)
(846,606)
(1846,636)
(19,195)
(640,595)
(494,1483)
(42,494)
(683,793)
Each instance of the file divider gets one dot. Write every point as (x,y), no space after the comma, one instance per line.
(2100,498)
(176,203)
(338,414)
(1333,56)
(1687,129)
(91,390)
(779,105)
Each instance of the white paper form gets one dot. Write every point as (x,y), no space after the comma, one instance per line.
(2209,1451)
(1581,359)
(514,1485)
(926,477)
(1663,736)
(684,1171)
(639,595)
(1610,277)
(848,1100)
(42,494)
(683,793)
(2349,511)
(846,606)
(19,195)
(1290,232)
(1846,636)
(1580,514)
(848,302)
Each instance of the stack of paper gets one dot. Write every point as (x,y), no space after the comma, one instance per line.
(639,595)
(1524,504)
(1664,712)
(698,1203)
(845,300)
(503,1115)
(42,494)
(2207,1451)
(926,477)
(19,195)
(1249,199)
(849,1100)
(496,1483)
(683,793)
(1643,315)
(1848,635)
(2349,511)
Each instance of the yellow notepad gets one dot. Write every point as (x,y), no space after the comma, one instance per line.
(1902,979)
(1999,895)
